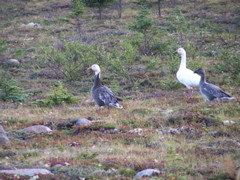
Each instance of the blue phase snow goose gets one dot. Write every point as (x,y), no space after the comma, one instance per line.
(210,91)
(102,95)
(185,75)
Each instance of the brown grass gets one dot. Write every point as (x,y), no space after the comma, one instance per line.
(130,138)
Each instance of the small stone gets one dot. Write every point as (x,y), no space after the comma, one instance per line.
(215,133)
(170,131)
(147,172)
(38,129)
(31,25)
(57,166)
(13,61)
(115,131)
(137,131)
(82,122)
(26,172)
(34,177)
(227,122)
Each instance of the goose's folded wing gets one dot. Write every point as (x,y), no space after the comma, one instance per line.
(106,95)
(212,91)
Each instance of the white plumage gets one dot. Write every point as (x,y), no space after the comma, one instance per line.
(185,75)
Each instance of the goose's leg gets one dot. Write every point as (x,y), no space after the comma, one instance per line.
(99,110)
(190,93)
(109,110)
(220,101)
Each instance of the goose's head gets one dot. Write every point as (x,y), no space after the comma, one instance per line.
(95,68)
(180,51)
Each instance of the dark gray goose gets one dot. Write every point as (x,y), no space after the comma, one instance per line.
(210,91)
(102,95)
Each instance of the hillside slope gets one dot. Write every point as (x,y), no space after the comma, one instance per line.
(159,127)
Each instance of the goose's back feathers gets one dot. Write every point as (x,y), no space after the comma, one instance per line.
(104,96)
(212,92)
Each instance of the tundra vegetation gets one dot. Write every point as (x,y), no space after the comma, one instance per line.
(133,42)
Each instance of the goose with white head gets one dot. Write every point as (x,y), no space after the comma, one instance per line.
(186,76)
(210,91)
(102,95)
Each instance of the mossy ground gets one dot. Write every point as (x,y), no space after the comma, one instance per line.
(153,100)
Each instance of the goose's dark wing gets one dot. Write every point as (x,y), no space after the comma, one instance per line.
(107,96)
(212,92)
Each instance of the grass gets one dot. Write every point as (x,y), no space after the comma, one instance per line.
(129,140)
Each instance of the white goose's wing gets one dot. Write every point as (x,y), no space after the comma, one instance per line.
(188,78)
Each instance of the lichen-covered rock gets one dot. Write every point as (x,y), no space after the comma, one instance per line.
(38,129)
(3,137)
(147,173)
(12,61)
(179,131)
(82,122)
(227,122)
(31,25)
(28,172)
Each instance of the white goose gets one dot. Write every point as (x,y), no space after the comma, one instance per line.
(185,75)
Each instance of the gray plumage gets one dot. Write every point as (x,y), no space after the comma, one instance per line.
(102,95)
(210,91)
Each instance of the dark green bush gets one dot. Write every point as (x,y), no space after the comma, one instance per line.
(9,91)
(127,172)
(72,62)
(57,96)
(228,61)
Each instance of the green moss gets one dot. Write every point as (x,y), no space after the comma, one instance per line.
(30,154)
(127,172)
(7,153)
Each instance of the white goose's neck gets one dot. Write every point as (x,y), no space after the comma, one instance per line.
(183,61)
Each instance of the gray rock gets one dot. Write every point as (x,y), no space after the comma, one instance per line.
(137,131)
(2,131)
(38,129)
(4,140)
(178,131)
(31,25)
(12,61)
(111,131)
(215,133)
(82,122)
(170,131)
(3,137)
(148,172)
(26,172)
(227,122)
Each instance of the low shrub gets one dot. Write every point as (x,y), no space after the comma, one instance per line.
(9,91)
(57,96)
